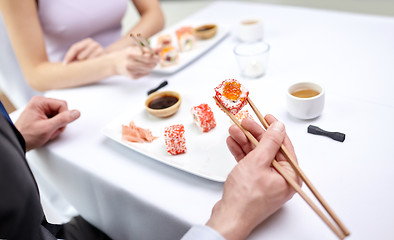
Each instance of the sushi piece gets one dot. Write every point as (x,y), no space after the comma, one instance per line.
(174,137)
(241,115)
(203,117)
(168,56)
(164,41)
(232,95)
(186,39)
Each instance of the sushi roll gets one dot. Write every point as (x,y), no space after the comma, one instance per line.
(175,141)
(232,95)
(186,39)
(203,117)
(241,115)
(164,41)
(168,56)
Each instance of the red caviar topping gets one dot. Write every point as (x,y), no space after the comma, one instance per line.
(232,90)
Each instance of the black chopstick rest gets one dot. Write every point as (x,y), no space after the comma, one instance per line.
(160,86)
(337,136)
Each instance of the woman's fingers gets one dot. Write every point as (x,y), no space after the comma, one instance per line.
(82,50)
(90,51)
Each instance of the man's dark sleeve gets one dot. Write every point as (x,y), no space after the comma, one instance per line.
(20,208)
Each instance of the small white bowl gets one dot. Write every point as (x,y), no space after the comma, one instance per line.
(305,107)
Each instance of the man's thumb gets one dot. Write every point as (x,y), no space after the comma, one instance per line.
(270,143)
(65,117)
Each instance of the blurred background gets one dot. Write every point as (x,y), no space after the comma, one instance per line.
(176,10)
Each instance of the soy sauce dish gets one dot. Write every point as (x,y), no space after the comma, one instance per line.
(163,103)
(205,31)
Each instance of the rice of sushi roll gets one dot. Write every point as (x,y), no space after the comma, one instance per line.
(203,117)
(164,40)
(186,39)
(168,56)
(175,141)
(241,115)
(232,95)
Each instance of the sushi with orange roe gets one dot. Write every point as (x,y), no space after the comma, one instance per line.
(232,95)
(203,117)
(174,137)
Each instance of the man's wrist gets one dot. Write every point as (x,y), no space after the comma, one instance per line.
(228,223)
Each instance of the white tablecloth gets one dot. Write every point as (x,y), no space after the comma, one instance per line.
(131,196)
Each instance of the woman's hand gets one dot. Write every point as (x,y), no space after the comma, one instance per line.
(82,50)
(132,63)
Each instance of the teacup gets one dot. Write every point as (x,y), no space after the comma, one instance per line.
(305,100)
(249,30)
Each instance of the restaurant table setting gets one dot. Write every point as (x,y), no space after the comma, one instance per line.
(140,191)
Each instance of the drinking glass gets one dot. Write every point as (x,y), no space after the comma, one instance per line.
(252,58)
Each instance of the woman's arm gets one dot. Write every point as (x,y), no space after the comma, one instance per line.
(27,39)
(151,22)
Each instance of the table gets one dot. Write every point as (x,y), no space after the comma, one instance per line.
(131,196)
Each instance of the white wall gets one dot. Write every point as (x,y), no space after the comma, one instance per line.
(176,10)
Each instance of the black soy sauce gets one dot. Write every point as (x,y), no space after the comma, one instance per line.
(163,102)
(204,28)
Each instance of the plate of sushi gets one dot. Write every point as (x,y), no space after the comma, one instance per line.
(192,140)
(185,42)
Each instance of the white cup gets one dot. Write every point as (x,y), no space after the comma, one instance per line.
(249,30)
(252,58)
(306,105)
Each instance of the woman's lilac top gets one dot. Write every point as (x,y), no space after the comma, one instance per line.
(65,22)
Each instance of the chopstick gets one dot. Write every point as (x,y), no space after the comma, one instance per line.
(145,42)
(138,43)
(141,42)
(300,173)
(284,174)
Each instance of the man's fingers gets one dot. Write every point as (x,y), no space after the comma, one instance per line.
(238,136)
(253,127)
(235,149)
(53,106)
(286,142)
(63,118)
(270,143)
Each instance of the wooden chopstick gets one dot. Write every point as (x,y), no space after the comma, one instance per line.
(137,42)
(285,175)
(145,42)
(300,173)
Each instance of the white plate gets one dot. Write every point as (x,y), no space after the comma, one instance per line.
(207,154)
(201,47)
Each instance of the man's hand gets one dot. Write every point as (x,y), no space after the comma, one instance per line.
(44,119)
(254,189)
